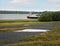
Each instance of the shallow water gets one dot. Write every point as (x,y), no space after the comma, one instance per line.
(32,30)
(14,37)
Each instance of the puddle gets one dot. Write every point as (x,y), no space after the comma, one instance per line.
(32,30)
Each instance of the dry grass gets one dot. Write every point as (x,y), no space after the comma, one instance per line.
(10,29)
(37,43)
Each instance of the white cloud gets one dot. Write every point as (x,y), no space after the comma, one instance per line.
(55,1)
(22,2)
(19,3)
(56,4)
(16,4)
(57,7)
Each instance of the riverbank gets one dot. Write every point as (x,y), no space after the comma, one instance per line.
(49,38)
(11,25)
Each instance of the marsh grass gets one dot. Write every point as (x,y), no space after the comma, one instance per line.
(10,21)
(23,23)
(49,38)
(10,29)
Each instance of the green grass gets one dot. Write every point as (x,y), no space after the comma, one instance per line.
(49,38)
(23,23)
(10,21)
(19,22)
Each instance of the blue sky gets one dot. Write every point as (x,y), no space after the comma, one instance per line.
(30,5)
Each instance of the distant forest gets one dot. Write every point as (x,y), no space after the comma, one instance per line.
(17,12)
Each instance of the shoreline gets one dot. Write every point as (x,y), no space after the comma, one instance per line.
(27,26)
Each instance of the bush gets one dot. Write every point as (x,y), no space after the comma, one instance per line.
(49,16)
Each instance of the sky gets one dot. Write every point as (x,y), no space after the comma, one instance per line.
(30,5)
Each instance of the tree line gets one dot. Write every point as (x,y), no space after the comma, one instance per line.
(17,12)
(50,16)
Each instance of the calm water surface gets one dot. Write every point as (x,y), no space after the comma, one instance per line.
(32,30)
(13,16)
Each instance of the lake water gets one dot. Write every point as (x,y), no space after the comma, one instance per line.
(13,16)
(31,30)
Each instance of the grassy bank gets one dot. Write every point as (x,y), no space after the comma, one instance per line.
(50,38)
(10,29)
(10,21)
(19,22)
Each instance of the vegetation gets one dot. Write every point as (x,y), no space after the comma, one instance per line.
(50,16)
(12,21)
(18,23)
(17,12)
(21,22)
(10,29)
(50,38)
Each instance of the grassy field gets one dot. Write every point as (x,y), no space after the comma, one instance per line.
(19,22)
(50,38)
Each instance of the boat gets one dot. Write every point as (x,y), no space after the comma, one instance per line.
(32,16)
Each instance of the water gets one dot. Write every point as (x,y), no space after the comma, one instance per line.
(14,37)
(32,30)
(13,16)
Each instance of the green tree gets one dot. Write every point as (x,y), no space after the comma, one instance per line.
(56,16)
(46,16)
(49,16)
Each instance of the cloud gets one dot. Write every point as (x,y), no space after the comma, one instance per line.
(56,4)
(17,4)
(22,2)
(27,4)
(57,7)
(55,1)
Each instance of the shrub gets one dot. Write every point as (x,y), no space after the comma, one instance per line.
(49,16)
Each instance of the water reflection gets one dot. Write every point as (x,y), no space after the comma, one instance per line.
(32,30)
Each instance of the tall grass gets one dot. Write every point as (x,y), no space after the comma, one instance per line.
(50,38)
(10,29)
